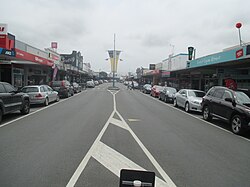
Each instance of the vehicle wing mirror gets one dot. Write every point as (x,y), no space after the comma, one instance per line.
(231,101)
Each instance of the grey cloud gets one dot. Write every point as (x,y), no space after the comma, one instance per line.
(155,40)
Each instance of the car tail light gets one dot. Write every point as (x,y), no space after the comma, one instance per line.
(39,95)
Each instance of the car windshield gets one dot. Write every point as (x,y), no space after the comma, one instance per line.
(196,93)
(30,89)
(242,98)
(171,90)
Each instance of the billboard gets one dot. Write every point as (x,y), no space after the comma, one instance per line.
(54,45)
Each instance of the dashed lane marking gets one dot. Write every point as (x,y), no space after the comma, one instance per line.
(134,120)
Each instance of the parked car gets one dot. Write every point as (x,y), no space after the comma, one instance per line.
(11,100)
(96,83)
(90,84)
(155,91)
(146,88)
(76,87)
(227,105)
(41,94)
(167,94)
(189,99)
(100,81)
(63,88)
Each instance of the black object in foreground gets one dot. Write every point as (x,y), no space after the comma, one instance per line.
(136,178)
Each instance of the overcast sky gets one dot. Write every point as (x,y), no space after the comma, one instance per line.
(146,30)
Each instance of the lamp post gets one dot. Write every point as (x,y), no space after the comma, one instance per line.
(114,58)
(238,26)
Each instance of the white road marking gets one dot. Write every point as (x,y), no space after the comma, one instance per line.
(39,110)
(149,155)
(115,162)
(134,120)
(93,151)
(118,123)
(194,116)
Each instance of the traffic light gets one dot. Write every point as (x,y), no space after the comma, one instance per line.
(190,53)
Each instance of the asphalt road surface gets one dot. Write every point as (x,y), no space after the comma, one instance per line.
(87,139)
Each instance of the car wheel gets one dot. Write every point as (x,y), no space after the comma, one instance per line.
(206,114)
(175,103)
(165,99)
(236,124)
(187,107)
(46,102)
(26,107)
(1,115)
(57,98)
(67,94)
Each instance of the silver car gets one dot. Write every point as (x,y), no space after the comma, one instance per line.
(189,99)
(41,94)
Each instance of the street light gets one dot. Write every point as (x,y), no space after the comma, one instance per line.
(114,58)
(238,26)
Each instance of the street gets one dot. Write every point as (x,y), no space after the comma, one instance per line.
(86,139)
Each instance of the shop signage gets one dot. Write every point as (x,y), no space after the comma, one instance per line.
(239,53)
(3,28)
(54,45)
(33,58)
(165,73)
(7,52)
(68,59)
(221,57)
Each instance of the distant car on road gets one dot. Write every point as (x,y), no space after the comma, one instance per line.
(90,84)
(76,87)
(146,88)
(63,88)
(167,94)
(96,83)
(189,99)
(41,94)
(11,100)
(155,91)
(227,105)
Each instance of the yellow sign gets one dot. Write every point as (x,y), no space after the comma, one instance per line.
(114,59)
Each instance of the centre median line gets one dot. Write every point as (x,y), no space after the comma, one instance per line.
(112,159)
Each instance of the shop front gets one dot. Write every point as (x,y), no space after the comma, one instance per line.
(217,69)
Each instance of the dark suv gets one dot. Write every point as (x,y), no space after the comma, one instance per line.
(64,88)
(11,100)
(228,105)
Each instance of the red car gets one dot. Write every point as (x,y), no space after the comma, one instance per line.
(155,91)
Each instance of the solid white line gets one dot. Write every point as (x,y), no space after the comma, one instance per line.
(31,113)
(85,160)
(148,154)
(115,162)
(194,116)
